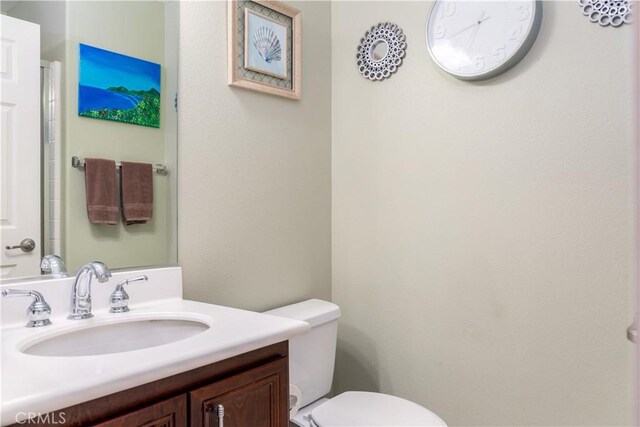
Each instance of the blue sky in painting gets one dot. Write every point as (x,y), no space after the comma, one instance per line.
(103,69)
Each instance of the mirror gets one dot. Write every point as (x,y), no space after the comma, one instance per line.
(379,50)
(144,30)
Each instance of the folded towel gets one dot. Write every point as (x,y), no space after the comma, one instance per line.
(136,191)
(102,198)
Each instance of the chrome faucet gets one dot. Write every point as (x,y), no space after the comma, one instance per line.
(52,264)
(81,291)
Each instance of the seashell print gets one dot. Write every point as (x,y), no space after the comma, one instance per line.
(267,44)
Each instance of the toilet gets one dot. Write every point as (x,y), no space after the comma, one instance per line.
(311,363)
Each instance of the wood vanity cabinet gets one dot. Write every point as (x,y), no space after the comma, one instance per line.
(252,388)
(168,413)
(248,399)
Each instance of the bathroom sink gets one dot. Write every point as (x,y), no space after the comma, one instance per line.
(115,337)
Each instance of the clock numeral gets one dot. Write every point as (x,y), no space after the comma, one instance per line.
(447,10)
(479,61)
(440,31)
(517,34)
(500,53)
(523,12)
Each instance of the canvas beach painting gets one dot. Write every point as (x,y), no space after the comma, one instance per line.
(117,87)
(265,45)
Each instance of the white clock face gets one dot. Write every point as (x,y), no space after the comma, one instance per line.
(475,40)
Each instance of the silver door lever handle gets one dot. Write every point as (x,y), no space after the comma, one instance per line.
(27,245)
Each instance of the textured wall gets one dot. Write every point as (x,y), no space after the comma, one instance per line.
(254,189)
(483,234)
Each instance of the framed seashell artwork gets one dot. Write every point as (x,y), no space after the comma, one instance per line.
(265,45)
(264,52)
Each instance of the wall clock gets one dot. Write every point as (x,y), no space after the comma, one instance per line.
(478,40)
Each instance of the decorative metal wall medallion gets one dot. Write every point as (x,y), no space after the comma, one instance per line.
(608,12)
(381,51)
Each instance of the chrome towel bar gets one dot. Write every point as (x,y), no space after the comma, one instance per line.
(78,162)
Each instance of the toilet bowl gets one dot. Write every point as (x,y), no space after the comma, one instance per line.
(311,364)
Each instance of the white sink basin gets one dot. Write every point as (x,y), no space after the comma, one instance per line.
(115,337)
(74,361)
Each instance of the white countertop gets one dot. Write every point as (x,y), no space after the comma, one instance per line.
(43,384)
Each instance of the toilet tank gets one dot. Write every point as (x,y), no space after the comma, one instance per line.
(313,354)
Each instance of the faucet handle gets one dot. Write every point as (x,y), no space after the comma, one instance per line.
(38,311)
(119,299)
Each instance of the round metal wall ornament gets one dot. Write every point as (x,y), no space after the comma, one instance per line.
(608,12)
(381,51)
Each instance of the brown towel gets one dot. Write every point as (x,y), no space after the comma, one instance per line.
(136,190)
(102,198)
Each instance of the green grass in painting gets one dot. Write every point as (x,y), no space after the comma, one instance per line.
(145,113)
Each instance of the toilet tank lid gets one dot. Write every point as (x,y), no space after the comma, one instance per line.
(314,311)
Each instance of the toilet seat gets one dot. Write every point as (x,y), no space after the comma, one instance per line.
(359,408)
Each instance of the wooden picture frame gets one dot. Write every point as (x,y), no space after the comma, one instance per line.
(241,75)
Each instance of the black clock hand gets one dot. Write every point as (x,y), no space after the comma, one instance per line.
(462,30)
(480,21)
(475,34)
(473,37)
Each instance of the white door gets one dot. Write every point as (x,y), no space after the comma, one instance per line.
(20,147)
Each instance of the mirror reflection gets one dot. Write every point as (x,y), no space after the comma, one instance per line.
(379,50)
(106,89)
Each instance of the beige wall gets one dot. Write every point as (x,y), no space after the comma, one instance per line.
(134,29)
(483,235)
(255,185)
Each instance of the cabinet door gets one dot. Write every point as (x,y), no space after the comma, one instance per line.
(257,398)
(168,413)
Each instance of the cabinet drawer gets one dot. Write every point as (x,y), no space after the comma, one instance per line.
(256,398)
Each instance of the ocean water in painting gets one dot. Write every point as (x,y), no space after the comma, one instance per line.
(118,87)
(94,98)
